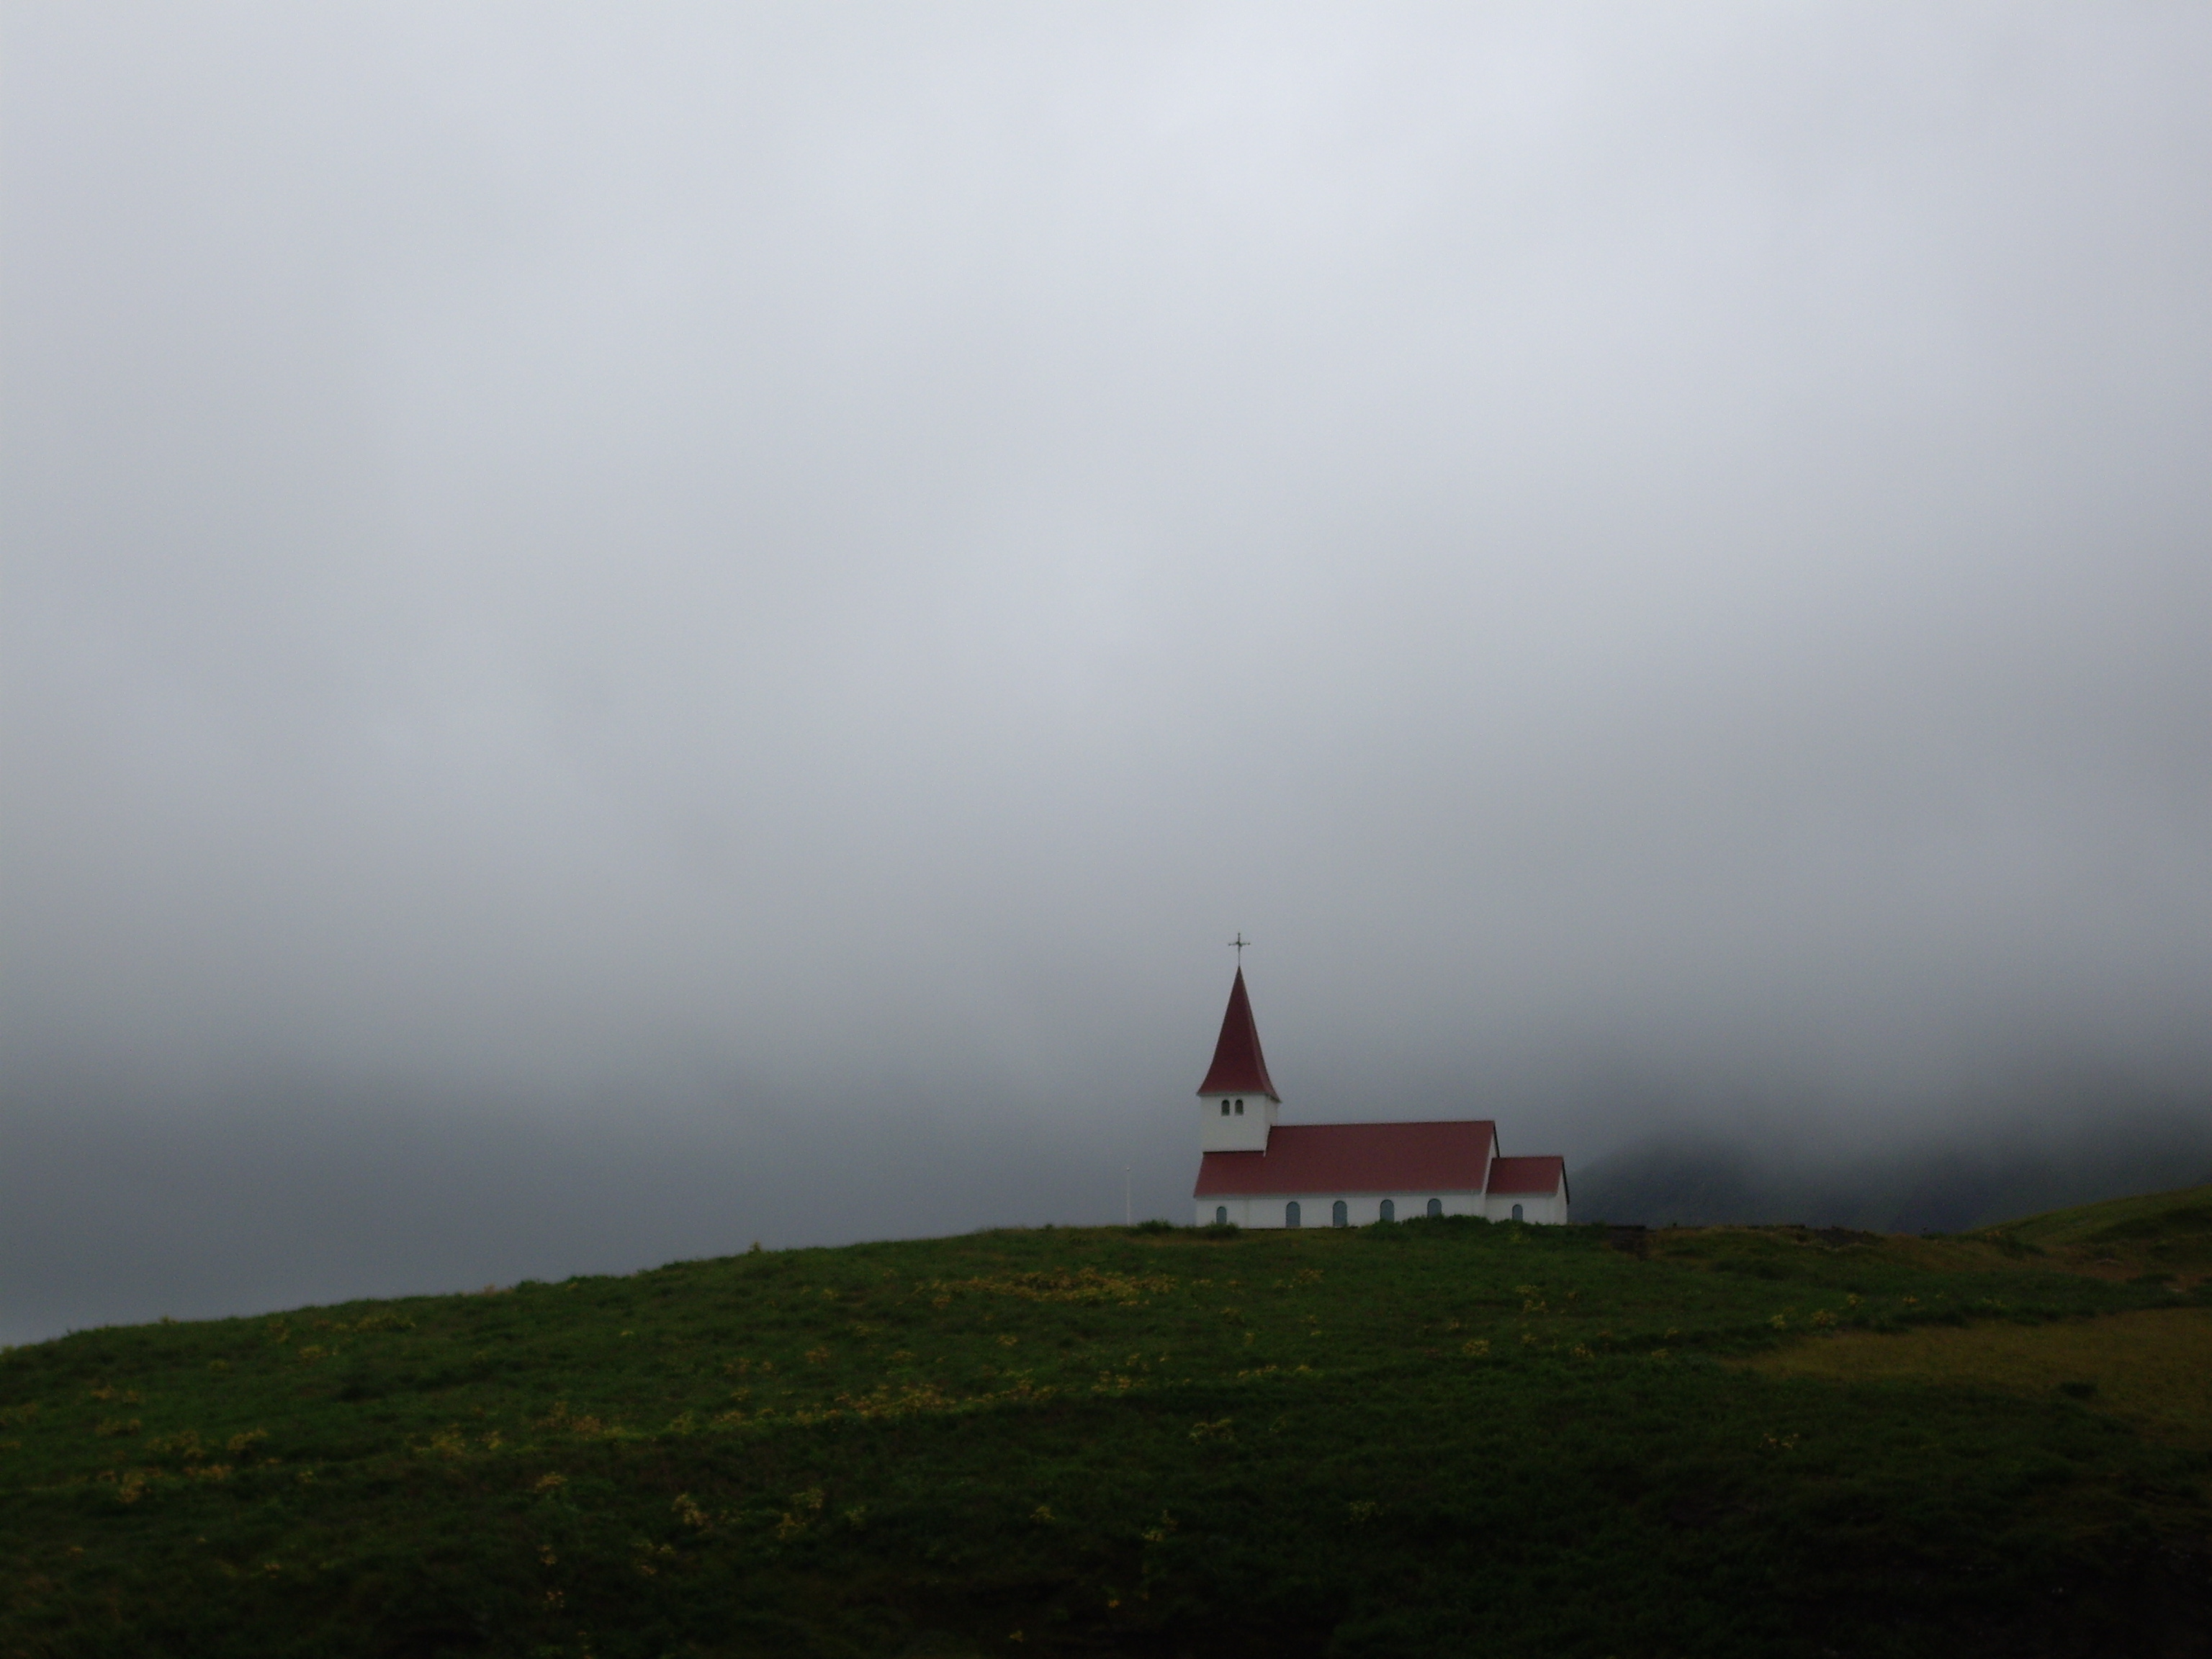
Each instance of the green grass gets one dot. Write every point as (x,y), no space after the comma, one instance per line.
(2153,1369)
(1431,1438)
(2168,1233)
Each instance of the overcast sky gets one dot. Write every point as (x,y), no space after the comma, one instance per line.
(629,628)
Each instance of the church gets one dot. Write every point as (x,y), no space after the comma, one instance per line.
(1255,1172)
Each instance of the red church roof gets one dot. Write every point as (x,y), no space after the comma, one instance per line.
(1355,1158)
(1239,1067)
(1527,1175)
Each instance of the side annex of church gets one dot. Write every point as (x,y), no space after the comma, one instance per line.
(1255,1171)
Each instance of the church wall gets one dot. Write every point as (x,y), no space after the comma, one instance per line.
(1240,1131)
(1361,1208)
(1548,1209)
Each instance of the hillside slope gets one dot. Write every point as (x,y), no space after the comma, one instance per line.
(1430,1437)
(2160,1232)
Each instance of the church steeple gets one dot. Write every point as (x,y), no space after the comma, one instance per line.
(1237,1103)
(1239,1067)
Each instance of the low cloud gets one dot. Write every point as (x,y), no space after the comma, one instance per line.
(760,592)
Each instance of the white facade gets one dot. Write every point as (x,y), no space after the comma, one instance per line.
(1319,1209)
(1549,1209)
(1316,1209)
(1235,1123)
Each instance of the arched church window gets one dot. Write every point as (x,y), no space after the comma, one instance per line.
(1224,1108)
(1517,1211)
(1389,1211)
(1221,1215)
(1240,1109)
(1436,1206)
(1291,1213)
(1338,1215)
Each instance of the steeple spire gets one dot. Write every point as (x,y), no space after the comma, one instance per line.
(1239,1067)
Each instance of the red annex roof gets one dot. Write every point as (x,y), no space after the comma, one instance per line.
(1527,1175)
(1239,1067)
(1357,1157)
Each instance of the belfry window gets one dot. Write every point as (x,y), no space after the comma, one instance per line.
(1224,1108)
(1240,1109)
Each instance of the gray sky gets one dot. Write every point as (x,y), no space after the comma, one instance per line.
(630,629)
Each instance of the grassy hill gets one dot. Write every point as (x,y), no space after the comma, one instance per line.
(2163,1232)
(1427,1438)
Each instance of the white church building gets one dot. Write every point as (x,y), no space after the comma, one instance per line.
(1256,1172)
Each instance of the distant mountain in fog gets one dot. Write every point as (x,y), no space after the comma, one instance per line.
(1932,1186)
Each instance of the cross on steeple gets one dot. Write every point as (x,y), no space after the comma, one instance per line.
(1240,942)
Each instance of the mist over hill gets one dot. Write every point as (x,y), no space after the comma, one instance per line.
(634,629)
(1944,1182)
